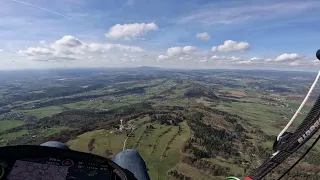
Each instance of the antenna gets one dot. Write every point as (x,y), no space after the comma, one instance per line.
(121,126)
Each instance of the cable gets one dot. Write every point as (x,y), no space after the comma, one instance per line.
(313,144)
(301,106)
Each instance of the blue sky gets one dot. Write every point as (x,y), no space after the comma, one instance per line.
(165,33)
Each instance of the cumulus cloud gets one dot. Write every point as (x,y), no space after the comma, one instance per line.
(252,60)
(239,60)
(189,49)
(130,31)
(71,48)
(177,51)
(67,41)
(294,63)
(34,51)
(288,57)
(162,57)
(174,51)
(230,46)
(98,47)
(229,58)
(203,36)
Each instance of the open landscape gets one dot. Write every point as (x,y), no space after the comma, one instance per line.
(186,124)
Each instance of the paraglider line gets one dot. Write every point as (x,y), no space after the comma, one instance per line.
(301,106)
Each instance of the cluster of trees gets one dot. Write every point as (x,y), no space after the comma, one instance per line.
(200,91)
(90,144)
(194,151)
(168,119)
(175,174)
(216,141)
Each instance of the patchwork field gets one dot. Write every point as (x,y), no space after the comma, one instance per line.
(159,145)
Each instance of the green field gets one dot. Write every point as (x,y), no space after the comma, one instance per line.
(261,115)
(234,169)
(51,131)
(78,105)
(9,124)
(194,173)
(98,104)
(160,88)
(158,145)
(11,136)
(44,112)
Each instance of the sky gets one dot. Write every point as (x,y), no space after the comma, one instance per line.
(193,34)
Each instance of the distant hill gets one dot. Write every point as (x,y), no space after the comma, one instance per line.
(148,68)
(197,92)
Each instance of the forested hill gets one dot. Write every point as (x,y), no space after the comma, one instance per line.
(193,124)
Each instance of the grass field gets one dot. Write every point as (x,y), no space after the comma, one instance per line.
(234,169)
(194,173)
(160,88)
(51,131)
(9,124)
(11,136)
(159,146)
(98,104)
(80,105)
(44,112)
(261,115)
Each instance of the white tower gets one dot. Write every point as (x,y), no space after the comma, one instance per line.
(121,126)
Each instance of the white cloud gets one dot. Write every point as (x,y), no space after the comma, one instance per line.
(252,60)
(189,49)
(226,58)
(176,51)
(287,57)
(34,51)
(255,58)
(245,62)
(67,41)
(98,47)
(294,63)
(130,31)
(203,36)
(1,50)
(230,46)
(71,48)
(162,57)
(316,62)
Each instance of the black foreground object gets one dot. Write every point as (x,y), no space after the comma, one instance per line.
(309,126)
(38,162)
(318,54)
